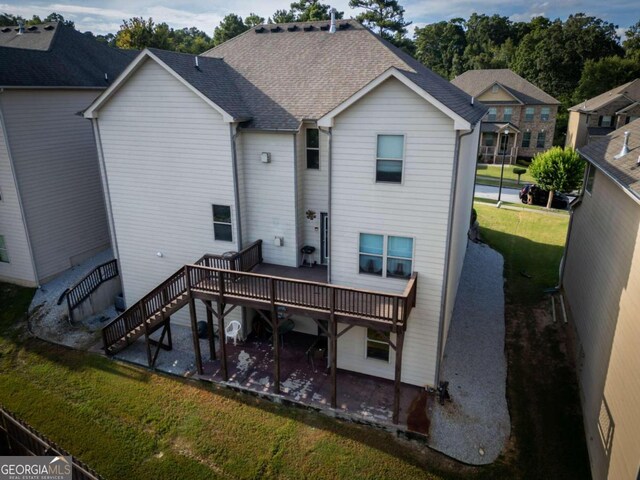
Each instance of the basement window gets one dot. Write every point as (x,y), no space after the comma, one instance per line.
(222,223)
(377,344)
(313,148)
(4,255)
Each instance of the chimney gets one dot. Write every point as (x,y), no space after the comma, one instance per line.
(625,146)
(332,28)
(20,28)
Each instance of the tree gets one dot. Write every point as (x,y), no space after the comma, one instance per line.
(440,46)
(282,16)
(138,33)
(231,26)
(632,42)
(56,17)
(484,37)
(190,40)
(557,170)
(8,20)
(385,17)
(253,19)
(312,10)
(598,76)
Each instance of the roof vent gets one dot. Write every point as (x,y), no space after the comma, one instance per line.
(332,28)
(20,28)
(5,30)
(197,63)
(106,77)
(308,28)
(260,30)
(324,28)
(344,26)
(472,100)
(276,29)
(32,28)
(625,147)
(49,27)
(293,28)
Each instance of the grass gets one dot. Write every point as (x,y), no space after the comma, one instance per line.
(522,206)
(128,423)
(490,175)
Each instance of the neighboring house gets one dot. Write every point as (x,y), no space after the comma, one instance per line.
(601,115)
(521,120)
(299,136)
(601,281)
(52,213)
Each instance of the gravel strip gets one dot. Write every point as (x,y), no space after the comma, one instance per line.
(474,426)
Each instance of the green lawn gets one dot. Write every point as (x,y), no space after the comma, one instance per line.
(490,175)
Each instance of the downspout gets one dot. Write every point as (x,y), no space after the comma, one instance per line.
(328,132)
(447,254)
(236,186)
(17,187)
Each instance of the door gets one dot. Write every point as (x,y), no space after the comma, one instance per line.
(504,143)
(324,238)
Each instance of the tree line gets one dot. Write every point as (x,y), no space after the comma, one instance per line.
(573,59)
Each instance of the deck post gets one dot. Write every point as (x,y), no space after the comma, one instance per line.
(212,340)
(276,335)
(223,340)
(398,375)
(194,331)
(147,340)
(333,337)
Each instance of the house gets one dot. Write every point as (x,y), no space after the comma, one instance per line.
(288,136)
(52,213)
(521,120)
(601,281)
(601,115)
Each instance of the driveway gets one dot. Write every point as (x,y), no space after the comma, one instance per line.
(508,194)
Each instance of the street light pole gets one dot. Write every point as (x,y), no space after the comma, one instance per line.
(504,155)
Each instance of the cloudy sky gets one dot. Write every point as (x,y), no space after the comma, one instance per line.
(103,16)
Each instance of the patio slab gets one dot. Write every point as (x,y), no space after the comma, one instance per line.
(251,368)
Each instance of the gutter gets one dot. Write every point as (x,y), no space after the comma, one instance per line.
(19,197)
(447,255)
(328,132)
(236,186)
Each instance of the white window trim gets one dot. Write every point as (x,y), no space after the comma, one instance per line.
(590,168)
(214,222)
(367,340)
(489,114)
(504,113)
(404,158)
(306,148)
(385,256)
(548,114)
(533,114)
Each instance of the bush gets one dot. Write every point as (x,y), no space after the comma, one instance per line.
(519,171)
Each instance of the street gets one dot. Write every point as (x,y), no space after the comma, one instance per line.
(508,194)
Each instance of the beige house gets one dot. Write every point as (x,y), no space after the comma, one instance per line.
(601,281)
(52,211)
(601,115)
(370,164)
(521,119)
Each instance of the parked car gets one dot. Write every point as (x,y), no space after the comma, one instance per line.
(534,195)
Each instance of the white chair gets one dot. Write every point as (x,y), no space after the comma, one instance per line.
(233,330)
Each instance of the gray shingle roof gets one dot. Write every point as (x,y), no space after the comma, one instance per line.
(630,90)
(58,57)
(474,82)
(624,170)
(303,72)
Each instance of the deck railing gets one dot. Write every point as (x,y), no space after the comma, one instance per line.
(90,283)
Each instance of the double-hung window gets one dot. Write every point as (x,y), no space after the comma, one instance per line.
(489,139)
(605,121)
(313,148)
(540,140)
(492,115)
(377,344)
(528,114)
(4,255)
(222,223)
(507,114)
(389,158)
(526,139)
(544,114)
(386,255)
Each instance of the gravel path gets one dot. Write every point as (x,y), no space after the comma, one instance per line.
(474,426)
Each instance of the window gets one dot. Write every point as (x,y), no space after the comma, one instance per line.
(386,255)
(591,175)
(389,157)
(526,139)
(544,114)
(313,148)
(494,88)
(222,223)
(4,255)
(377,344)
(489,139)
(506,115)
(540,140)
(528,114)
(491,116)
(630,118)
(604,121)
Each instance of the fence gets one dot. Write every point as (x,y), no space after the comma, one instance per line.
(23,440)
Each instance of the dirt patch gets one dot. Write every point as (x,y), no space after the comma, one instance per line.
(417,418)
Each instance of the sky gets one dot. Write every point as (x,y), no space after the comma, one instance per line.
(104,16)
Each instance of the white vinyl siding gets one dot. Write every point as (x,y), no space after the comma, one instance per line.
(20,268)
(418,208)
(56,163)
(269,192)
(602,290)
(168,159)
